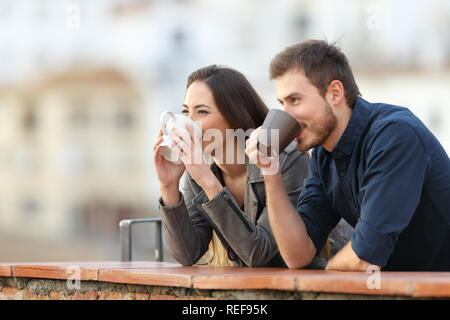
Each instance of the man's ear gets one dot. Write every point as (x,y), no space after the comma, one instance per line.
(336,93)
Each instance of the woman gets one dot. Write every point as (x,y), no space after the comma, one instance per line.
(222,207)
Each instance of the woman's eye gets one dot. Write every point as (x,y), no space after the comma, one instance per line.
(295,100)
(203,111)
(184,111)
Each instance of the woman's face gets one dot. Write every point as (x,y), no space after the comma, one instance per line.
(199,105)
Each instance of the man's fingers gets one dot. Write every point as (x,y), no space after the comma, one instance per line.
(252,141)
(253,156)
(255,133)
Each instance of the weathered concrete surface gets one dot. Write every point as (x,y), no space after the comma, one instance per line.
(50,289)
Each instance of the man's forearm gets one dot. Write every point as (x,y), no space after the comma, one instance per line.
(288,227)
(347,260)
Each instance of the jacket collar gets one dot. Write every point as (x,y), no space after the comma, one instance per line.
(355,127)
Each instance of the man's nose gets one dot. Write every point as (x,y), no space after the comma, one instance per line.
(288,110)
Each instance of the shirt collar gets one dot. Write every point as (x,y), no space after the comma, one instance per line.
(354,129)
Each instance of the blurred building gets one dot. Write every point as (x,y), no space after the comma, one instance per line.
(75,144)
(71,151)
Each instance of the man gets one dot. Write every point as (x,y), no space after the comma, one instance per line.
(375,165)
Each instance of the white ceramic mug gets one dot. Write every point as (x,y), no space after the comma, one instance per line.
(175,121)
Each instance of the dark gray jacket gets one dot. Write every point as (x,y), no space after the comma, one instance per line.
(188,225)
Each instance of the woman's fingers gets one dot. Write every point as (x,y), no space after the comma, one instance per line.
(180,140)
(157,155)
(180,147)
(183,135)
(195,133)
(189,150)
(157,143)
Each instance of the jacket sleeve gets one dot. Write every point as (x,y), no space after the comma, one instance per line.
(186,232)
(255,244)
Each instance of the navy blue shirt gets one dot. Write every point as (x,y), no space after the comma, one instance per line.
(389,177)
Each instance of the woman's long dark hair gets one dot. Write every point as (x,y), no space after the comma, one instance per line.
(236,99)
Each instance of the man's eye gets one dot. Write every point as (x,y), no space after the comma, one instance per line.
(295,100)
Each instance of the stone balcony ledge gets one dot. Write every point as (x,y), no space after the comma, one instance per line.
(202,281)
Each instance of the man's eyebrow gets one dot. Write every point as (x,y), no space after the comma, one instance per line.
(290,96)
(197,106)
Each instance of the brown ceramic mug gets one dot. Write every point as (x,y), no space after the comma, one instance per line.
(278,130)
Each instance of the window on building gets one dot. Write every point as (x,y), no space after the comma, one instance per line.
(123,119)
(30,119)
(79,119)
(24,160)
(30,206)
(79,116)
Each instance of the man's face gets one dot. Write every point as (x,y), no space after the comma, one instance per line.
(302,100)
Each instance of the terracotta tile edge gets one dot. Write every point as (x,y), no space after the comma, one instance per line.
(7,271)
(430,290)
(231,282)
(334,284)
(104,277)
(355,286)
(52,272)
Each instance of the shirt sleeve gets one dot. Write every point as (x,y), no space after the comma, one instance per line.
(315,209)
(391,189)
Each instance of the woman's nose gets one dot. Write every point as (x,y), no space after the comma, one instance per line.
(193,117)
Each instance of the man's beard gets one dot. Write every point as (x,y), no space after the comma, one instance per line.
(322,132)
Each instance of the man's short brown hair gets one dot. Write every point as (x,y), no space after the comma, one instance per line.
(321,63)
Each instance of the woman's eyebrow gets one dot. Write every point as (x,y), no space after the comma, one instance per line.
(197,106)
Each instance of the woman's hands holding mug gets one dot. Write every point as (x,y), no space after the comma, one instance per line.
(187,146)
(169,174)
